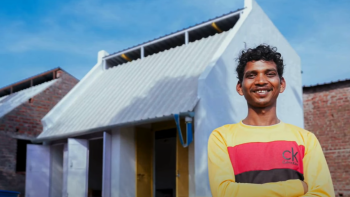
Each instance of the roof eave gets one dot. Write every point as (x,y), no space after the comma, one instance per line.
(109,127)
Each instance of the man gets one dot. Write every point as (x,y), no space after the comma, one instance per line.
(261,155)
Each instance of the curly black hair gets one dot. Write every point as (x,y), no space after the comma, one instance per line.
(261,52)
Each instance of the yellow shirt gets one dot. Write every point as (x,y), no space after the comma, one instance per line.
(249,161)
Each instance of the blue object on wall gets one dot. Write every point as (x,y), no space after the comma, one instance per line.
(4,193)
(189,135)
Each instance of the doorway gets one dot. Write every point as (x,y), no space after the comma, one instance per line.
(161,161)
(165,163)
(95,168)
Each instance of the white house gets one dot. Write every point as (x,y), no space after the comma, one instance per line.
(115,132)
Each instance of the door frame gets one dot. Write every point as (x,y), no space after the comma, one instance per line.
(92,138)
(164,125)
(159,126)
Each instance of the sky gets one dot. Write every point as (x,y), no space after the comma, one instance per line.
(39,35)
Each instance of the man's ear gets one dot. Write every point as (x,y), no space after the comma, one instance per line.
(283,85)
(239,88)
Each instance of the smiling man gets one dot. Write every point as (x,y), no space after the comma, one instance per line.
(261,155)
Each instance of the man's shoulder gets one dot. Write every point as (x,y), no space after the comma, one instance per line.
(300,130)
(228,128)
(223,132)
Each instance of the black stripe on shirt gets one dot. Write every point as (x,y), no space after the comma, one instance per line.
(268,176)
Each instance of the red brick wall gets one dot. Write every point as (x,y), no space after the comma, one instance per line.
(25,122)
(9,179)
(327,114)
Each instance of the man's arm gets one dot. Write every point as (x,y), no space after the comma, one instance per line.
(316,172)
(222,178)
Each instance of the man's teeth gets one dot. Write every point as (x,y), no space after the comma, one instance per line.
(261,91)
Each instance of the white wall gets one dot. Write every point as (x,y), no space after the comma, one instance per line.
(220,104)
(123,166)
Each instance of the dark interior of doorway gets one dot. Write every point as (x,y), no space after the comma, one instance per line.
(165,163)
(95,168)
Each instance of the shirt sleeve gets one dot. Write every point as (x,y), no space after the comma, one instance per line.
(316,172)
(222,178)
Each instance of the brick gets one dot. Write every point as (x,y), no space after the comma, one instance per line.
(27,118)
(326,113)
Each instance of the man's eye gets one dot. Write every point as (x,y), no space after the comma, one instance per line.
(271,74)
(250,76)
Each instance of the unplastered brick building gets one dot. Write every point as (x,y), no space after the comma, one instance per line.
(22,106)
(327,114)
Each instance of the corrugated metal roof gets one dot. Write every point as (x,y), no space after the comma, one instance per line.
(326,83)
(10,102)
(158,85)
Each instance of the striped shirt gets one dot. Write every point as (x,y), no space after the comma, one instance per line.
(271,160)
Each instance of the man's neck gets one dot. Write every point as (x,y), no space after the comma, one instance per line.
(261,116)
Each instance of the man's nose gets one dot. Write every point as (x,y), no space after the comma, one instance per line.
(260,79)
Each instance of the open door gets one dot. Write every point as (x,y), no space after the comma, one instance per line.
(106,176)
(144,161)
(38,171)
(77,176)
(182,176)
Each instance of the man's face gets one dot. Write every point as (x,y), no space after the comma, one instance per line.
(261,84)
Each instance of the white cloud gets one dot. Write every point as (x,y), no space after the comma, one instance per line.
(83,27)
(318,31)
(19,39)
(71,34)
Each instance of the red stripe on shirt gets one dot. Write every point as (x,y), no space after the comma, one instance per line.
(267,156)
